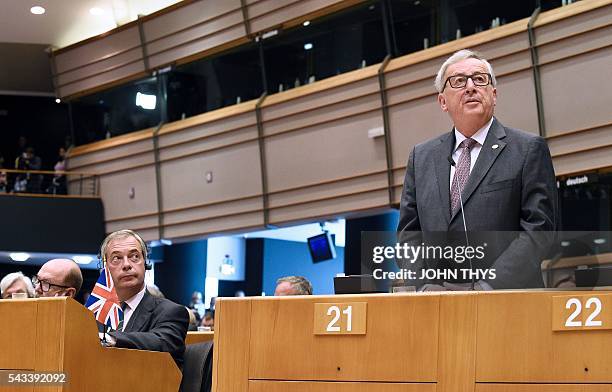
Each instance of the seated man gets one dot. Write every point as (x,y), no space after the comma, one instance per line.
(293,285)
(58,278)
(149,323)
(16,282)
(209,320)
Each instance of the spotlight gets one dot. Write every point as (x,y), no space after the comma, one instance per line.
(37,10)
(19,256)
(81,259)
(146,101)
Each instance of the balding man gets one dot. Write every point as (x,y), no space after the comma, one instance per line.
(58,278)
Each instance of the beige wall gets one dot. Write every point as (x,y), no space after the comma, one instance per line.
(319,161)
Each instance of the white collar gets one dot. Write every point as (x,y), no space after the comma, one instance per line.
(479,136)
(135,300)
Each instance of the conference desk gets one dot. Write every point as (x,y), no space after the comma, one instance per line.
(194,337)
(501,341)
(60,335)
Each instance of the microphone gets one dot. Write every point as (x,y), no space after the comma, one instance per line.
(467,241)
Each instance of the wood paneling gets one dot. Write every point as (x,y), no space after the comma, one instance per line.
(542,388)
(304,386)
(60,335)
(194,337)
(457,342)
(515,329)
(341,358)
(232,347)
(22,315)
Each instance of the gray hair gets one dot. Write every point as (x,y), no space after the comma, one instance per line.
(300,284)
(9,279)
(123,234)
(457,57)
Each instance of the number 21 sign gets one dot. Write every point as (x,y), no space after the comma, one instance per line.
(340,318)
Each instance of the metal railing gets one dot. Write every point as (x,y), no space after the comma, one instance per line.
(48,183)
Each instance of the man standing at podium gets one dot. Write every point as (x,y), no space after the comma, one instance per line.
(149,323)
(503,177)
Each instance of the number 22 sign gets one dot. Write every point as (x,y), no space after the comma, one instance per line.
(582,312)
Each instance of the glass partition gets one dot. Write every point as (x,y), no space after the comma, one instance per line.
(120,110)
(214,82)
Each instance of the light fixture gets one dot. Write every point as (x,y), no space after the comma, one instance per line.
(82,259)
(19,256)
(599,241)
(37,10)
(57,100)
(307,46)
(146,101)
(96,11)
(565,243)
(306,23)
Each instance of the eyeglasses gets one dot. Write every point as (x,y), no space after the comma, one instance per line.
(44,285)
(460,81)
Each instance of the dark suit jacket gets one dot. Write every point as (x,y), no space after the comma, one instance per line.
(157,324)
(511,188)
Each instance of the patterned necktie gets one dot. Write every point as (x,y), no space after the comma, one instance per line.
(120,325)
(462,172)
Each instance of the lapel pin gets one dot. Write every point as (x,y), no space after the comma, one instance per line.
(495,146)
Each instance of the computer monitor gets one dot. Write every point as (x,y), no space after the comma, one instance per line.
(321,247)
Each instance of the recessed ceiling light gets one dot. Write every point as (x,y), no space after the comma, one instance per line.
(57,100)
(96,11)
(83,259)
(37,10)
(307,46)
(19,256)
(306,23)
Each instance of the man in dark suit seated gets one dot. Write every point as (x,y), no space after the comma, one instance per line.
(149,323)
(504,178)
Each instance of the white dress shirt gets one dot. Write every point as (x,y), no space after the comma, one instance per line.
(480,137)
(132,304)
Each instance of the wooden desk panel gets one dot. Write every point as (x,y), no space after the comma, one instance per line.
(312,386)
(401,343)
(59,334)
(18,320)
(542,388)
(199,337)
(516,343)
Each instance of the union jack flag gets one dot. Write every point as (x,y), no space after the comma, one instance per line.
(103,301)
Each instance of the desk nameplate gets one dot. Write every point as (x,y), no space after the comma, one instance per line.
(340,318)
(582,312)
